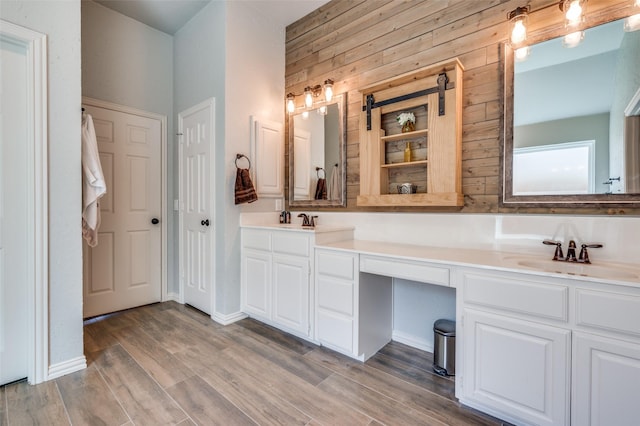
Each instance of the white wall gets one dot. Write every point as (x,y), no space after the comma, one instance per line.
(199,74)
(255,60)
(131,64)
(60,20)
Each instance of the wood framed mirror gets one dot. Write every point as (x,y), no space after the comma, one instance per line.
(572,121)
(317,155)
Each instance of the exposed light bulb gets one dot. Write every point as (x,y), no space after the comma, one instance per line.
(519,32)
(291,106)
(573,39)
(308,97)
(518,18)
(521,54)
(574,13)
(328,90)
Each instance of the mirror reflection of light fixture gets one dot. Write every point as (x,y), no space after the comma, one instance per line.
(311,95)
(305,115)
(632,23)
(322,110)
(521,53)
(519,19)
(572,39)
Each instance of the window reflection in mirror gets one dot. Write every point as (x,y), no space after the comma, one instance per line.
(566,97)
(317,156)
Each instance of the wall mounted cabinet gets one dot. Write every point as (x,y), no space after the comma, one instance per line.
(434,96)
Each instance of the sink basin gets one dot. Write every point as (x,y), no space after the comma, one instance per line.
(580,269)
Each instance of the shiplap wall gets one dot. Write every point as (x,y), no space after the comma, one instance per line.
(360,42)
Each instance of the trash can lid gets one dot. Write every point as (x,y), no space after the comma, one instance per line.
(445,327)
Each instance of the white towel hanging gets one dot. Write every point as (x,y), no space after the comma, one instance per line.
(93,184)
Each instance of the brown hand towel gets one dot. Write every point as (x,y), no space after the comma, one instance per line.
(321,189)
(245,193)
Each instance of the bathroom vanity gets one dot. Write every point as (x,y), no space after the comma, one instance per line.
(537,342)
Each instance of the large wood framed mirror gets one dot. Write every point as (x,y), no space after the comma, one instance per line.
(317,155)
(572,121)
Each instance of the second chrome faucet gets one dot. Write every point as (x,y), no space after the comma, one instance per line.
(583,257)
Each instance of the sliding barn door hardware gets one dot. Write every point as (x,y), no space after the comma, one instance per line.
(443,84)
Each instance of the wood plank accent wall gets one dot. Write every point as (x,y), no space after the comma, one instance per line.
(360,42)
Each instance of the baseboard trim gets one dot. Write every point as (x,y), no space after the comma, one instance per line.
(412,341)
(226,319)
(67,367)
(173,296)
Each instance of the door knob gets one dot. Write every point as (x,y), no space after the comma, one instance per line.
(155,221)
(204,222)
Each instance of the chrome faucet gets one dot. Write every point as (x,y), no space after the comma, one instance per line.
(583,257)
(305,219)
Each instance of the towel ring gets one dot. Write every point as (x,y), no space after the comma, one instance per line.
(324,174)
(239,156)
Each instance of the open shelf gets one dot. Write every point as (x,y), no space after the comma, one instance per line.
(405,136)
(407,164)
(434,96)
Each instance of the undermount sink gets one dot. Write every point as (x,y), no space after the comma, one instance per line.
(580,269)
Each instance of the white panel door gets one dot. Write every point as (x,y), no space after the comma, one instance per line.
(196,127)
(16,266)
(517,367)
(269,157)
(291,292)
(606,381)
(302,165)
(124,269)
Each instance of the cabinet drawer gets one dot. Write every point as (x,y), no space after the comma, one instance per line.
(335,331)
(291,243)
(335,295)
(415,271)
(337,265)
(517,295)
(608,311)
(256,239)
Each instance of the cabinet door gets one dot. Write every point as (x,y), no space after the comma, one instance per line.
(256,283)
(291,293)
(606,384)
(517,369)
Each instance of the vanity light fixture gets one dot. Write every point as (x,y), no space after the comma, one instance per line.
(311,93)
(574,17)
(328,89)
(573,12)
(632,23)
(291,102)
(519,18)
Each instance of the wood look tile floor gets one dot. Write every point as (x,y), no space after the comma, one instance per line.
(169,364)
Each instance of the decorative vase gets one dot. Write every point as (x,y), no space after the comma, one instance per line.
(408,126)
(407,152)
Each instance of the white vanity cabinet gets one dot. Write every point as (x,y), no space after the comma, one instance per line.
(353,316)
(516,347)
(276,275)
(606,356)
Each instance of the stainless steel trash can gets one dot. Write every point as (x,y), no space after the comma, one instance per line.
(444,347)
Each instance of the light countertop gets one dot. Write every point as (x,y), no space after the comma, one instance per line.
(604,272)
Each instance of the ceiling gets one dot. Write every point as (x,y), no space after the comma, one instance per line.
(170,15)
